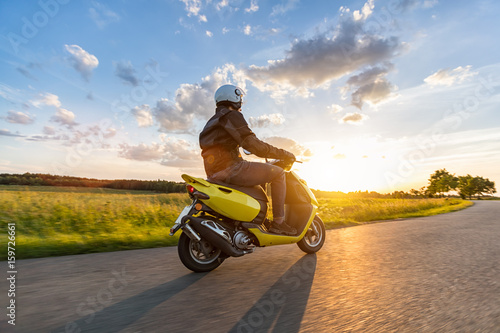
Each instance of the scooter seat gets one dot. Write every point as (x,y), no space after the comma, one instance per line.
(256,192)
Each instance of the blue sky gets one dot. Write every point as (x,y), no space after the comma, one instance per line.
(371,95)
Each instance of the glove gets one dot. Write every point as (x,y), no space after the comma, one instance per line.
(288,157)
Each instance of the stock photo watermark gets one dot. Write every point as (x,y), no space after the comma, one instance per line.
(31,26)
(427,142)
(270,306)
(76,154)
(11,273)
(139,93)
(93,304)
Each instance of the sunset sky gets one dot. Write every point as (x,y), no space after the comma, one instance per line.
(371,95)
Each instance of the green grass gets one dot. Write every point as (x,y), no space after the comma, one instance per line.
(54,221)
(60,222)
(70,189)
(343,212)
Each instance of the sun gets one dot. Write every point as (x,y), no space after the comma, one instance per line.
(352,169)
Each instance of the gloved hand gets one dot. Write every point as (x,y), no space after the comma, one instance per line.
(288,157)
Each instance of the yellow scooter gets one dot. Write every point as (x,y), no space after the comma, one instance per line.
(230,221)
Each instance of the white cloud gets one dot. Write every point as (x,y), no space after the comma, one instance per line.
(81,60)
(222,4)
(366,11)
(102,15)
(170,117)
(209,33)
(253,7)
(448,77)
(141,152)
(95,135)
(315,62)
(19,118)
(266,120)
(353,118)
(289,145)
(179,153)
(247,30)
(64,117)
(46,99)
(194,100)
(143,115)
(171,152)
(193,8)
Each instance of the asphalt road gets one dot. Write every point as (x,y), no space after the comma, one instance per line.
(433,274)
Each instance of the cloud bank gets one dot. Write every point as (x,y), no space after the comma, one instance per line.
(289,145)
(315,62)
(171,152)
(190,101)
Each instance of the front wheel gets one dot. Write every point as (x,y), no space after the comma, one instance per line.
(314,238)
(199,256)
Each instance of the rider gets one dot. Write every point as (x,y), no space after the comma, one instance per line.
(220,140)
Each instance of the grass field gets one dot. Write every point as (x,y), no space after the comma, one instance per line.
(60,221)
(342,212)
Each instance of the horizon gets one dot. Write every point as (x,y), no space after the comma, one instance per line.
(372,96)
(452,192)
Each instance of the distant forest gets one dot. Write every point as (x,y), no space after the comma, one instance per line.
(120,184)
(441,184)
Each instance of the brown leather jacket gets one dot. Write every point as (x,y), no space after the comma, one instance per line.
(222,136)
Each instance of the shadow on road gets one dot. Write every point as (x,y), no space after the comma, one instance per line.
(282,307)
(120,315)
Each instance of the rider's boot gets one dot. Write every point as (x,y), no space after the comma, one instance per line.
(282,228)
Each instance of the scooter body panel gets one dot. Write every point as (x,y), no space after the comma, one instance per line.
(269,239)
(224,200)
(301,207)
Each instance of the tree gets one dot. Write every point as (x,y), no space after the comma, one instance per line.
(466,186)
(469,186)
(442,182)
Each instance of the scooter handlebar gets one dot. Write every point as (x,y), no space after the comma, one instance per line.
(283,163)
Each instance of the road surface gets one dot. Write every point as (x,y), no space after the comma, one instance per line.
(432,274)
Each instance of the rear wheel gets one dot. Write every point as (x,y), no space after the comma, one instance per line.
(314,238)
(198,256)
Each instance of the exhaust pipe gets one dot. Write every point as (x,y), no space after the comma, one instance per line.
(220,238)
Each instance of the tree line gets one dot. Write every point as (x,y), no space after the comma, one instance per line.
(39,179)
(442,182)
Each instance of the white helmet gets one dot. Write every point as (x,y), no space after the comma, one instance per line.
(229,93)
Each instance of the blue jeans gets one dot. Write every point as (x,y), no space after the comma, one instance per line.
(246,173)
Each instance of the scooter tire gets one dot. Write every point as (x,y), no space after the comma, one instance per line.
(187,257)
(312,243)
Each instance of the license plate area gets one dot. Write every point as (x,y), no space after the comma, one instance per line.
(184,212)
